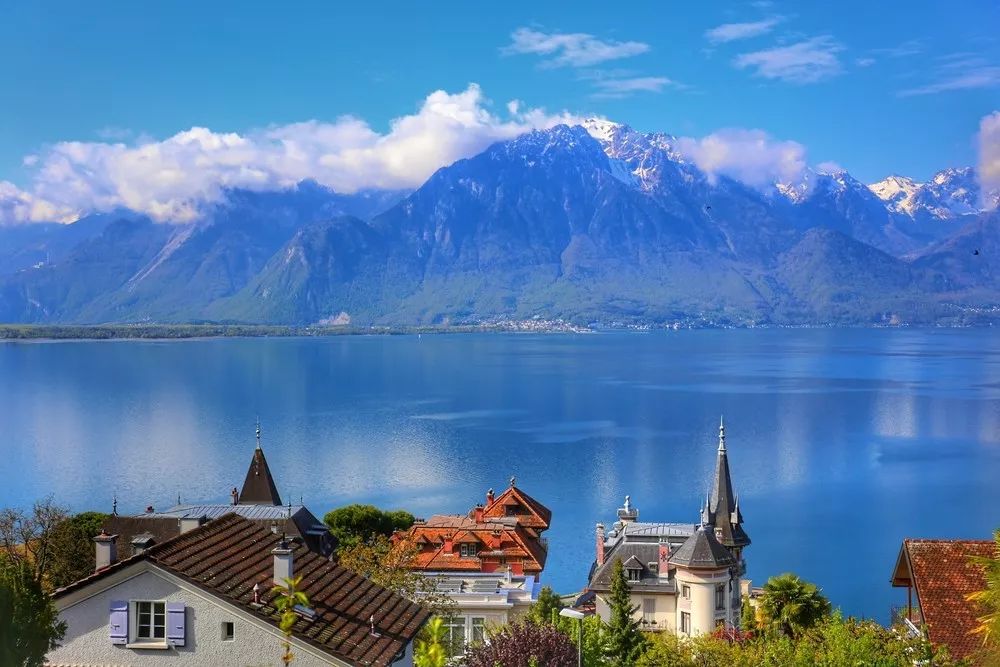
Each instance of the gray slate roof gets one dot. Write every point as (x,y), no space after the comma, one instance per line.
(703,551)
(637,552)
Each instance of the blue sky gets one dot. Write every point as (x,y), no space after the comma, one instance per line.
(877,87)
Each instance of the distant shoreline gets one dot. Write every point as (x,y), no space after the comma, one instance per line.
(82,332)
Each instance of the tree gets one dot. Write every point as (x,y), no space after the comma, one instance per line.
(625,641)
(523,644)
(595,637)
(391,566)
(72,550)
(748,621)
(790,605)
(355,524)
(430,648)
(989,601)
(286,598)
(27,538)
(29,623)
(546,608)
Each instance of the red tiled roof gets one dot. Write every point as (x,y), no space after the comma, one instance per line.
(540,516)
(510,540)
(943,576)
(227,556)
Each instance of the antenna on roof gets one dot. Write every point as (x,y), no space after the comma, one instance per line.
(371,623)
(178,497)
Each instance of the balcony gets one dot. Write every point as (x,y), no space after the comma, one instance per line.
(909,617)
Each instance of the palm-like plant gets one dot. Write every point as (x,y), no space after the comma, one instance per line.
(430,649)
(790,605)
(989,601)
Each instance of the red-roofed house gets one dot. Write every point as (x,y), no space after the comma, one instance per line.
(939,576)
(488,561)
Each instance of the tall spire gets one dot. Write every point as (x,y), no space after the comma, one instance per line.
(723,510)
(259,487)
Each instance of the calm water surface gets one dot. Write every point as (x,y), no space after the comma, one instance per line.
(841,442)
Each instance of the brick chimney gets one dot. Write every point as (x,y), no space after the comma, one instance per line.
(662,566)
(600,544)
(284,563)
(478,514)
(490,497)
(105,550)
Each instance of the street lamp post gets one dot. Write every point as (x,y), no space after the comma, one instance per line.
(579,616)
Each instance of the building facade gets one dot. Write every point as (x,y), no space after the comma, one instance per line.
(684,578)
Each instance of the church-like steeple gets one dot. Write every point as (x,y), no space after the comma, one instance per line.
(723,507)
(259,488)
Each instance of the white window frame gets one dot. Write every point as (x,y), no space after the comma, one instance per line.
(222,629)
(466,550)
(685,591)
(686,622)
(649,610)
(135,640)
(472,639)
(634,574)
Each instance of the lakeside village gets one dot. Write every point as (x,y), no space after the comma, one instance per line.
(259,582)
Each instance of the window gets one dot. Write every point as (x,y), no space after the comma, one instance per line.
(454,634)
(686,592)
(150,621)
(649,610)
(478,630)
(685,622)
(228,631)
(634,574)
(468,550)
(720,597)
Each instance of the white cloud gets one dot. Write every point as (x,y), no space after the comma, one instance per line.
(623,87)
(864,62)
(952,77)
(174,178)
(808,61)
(989,157)
(750,156)
(570,49)
(729,32)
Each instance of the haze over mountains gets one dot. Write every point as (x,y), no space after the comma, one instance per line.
(596,224)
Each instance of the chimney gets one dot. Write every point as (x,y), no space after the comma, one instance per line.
(478,514)
(189,523)
(284,566)
(600,544)
(663,565)
(235,495)
(490,497)
(448,544)
(105,551)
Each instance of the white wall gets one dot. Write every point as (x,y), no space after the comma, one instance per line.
(664,612)
(87,643)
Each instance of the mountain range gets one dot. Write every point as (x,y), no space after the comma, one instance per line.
(595,224)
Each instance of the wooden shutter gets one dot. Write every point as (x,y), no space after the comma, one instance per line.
(118,622)
(176,622)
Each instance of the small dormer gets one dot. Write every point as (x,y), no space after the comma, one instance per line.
(633,568)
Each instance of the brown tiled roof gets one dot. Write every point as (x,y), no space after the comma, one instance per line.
(227,556)
(508,539)
(943,576)
(127,527)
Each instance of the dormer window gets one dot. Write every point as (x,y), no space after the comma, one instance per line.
(467,550)
(634,574)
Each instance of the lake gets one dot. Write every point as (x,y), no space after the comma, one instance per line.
(841,442)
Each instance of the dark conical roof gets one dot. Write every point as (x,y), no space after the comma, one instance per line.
(723,508)
(703,550)
(259,488)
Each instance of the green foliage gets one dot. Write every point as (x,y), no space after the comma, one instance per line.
(72,552)
(546,608)
(355,524)
(790,605)
(832,642)
(29,623)
(625,640)
(28,538)
(286,598)
(989,601)
(430,647)
(748,622)
(595,638)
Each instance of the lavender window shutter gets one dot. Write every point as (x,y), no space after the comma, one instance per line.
(118,622)
(175,623)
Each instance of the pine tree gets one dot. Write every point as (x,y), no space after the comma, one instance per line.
(625,640)
(546,609)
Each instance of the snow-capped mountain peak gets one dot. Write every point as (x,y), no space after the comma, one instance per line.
(949,194)
(601,129)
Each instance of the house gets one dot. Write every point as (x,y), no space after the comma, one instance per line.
(204,598)
(938,576)
(488,561)
(258,500)
(683,577)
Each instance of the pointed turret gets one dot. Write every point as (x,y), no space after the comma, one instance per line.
(259,488)
(723,510)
